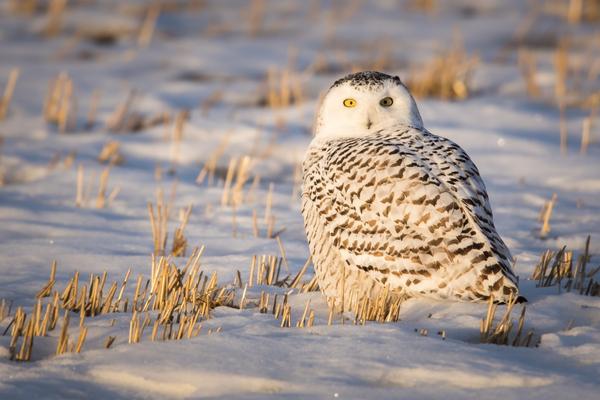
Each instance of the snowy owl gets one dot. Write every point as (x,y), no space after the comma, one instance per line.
(387,203)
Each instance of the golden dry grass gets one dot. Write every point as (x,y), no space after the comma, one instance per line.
(557,268)
(9,90)
(180,298)
(502,333)
(446,76)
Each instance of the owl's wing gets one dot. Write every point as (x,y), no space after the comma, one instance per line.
(411,221)
(455,169)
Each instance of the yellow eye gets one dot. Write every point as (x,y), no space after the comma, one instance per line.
(349,103)
(386,102)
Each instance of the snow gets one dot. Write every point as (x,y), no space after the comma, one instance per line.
(513,139)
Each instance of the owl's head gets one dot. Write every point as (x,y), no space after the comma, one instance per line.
(365,102)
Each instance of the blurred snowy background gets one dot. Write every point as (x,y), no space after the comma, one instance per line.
(110,105)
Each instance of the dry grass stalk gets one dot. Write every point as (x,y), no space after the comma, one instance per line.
(182,298)
(269,205)
(238,279)
(53,312)
(167,118)
(101,198)
(556,267)
(561,68)
(580,275)
(282,250)
(136,328)
(117,121)
(585,135)
(227,183)
(158,173)
(255,231)
(70,292)
(563,130)
(179,241)
(238,170)
(91,116)
(550,267)
(425,6)
(267,270)
(308,317)
(252,268)
(243,298)
(25,329)
(209,168)
(310,286)
(136,294)
(500,334)
(59,105)
(575,11)
(109,341)
(446,76)
(8,92)
(48,322)
(180,119)
(545,215)
(27,345)
(110,153)
(149,25)
(25,7)
(302,322)
(283,88)
(311,319)
(90,299)
(234,224)
(66,108)
(54,17)
(4,309)
(242,175)
(263,302)
(122,290)
(385,307)
(580,270)
(256,16)
(79,196)
(553,267)
(286,316)
(176,138)
(17,323)
(528,67)
(81,339)
(158,223)
(251,195)
(298,278)
(47,289)
(63,339)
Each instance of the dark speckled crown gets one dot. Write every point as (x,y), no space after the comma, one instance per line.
(367,80)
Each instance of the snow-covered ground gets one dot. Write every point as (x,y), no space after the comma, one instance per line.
(212,58)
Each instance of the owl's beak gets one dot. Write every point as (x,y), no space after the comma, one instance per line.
(371,115)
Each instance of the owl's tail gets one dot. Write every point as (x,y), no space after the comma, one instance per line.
(520,300)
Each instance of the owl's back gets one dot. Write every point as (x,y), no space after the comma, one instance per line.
(405,209)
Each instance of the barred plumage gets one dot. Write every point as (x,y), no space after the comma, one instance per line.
(394,205)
